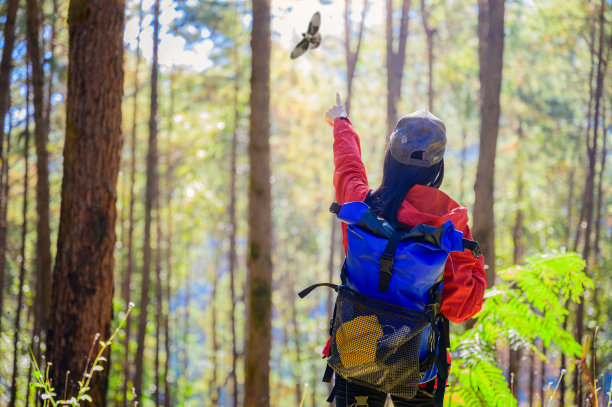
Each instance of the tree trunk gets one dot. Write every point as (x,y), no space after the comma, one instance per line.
(490,55)
(517,232)
(543,377)
(213,389)
(83,284)
(429,35)
(296,338)
(150,193)
(5,75)
(43,244)
(186,321)
(158,294)
(532,373)
(43,235)
(513,370)
(24,231)
(168,275)
(127,282)
(52,40)
(351,56)
(395,60)
(588,198)
(233,229)
(26,154)
(259,258)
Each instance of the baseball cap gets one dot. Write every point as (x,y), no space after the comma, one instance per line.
(418,139)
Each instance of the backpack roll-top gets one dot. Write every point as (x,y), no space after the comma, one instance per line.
(386,330)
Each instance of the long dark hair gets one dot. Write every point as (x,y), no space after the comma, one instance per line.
(397,180)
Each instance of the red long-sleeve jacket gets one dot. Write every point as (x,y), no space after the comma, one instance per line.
(464,276)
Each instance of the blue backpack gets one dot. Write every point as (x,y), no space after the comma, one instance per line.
(387,332)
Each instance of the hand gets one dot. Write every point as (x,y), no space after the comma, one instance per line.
(336,110)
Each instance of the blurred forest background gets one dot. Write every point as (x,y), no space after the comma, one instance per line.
(174,113)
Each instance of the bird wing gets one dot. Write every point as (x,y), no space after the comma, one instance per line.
(315,23)
(299,49)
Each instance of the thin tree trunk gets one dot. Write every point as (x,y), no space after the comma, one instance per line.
(570,204)
(517,239)
(543,377)
(127,283)
(83,283)
(232,252)
(532,374)
(24,231)
(395,60)
(602,167)
(517,232)
(429,36)
(296,339)
(5,74)
(168,272)
(43,234)
(150,193)
(351,56)
(213,389)
(463,163)
(232,216)
(186,322)
(26,155)
(52,40)
(514,359)
(259,258)
(490,52)
(589,192)
(331,268)
(158,293)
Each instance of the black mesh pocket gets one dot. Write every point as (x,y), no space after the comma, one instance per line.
(376,344)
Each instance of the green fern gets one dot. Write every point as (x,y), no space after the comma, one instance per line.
(530,304)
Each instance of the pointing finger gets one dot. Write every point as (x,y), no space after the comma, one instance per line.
(338,98)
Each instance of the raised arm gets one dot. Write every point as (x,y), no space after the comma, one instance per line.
(350,178)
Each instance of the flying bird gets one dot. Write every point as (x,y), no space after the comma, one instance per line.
(311,39)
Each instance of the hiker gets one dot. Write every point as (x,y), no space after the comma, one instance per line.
(408,195)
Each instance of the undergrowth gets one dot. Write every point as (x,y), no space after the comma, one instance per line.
(42,380)
(528,305)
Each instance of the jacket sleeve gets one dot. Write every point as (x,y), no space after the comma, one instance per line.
(464,285)
(350,178)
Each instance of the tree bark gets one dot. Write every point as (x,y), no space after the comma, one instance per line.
(259,258)
(186,321)
(167,392)
(43,235)
(588,197)
(150,193)
(5,75)
(395,60)
(351,56)
(83,284)
(51,81)
(296,338)
(233,230)
(429,36)
(490,55)
(158,294)
(213,389)
(24,231)
(127,289)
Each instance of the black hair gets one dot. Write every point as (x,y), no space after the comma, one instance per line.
(397,180)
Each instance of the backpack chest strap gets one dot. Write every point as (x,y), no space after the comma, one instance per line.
(386,261)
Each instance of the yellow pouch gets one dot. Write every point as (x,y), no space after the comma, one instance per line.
(356,340)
